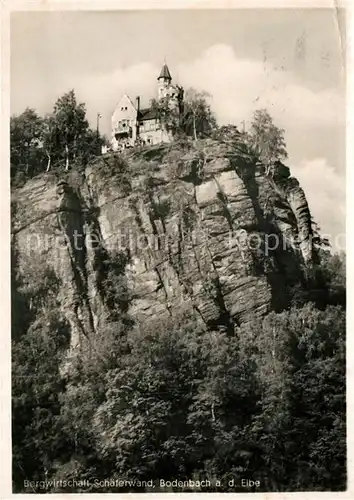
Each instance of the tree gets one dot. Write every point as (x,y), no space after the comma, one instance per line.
(166,112)
(50,139)
(172,401)
(37,354)
(300,359)
(41,143)
(90,145)
(229,134)
(267,139)
(333,272)
(197,118)
(192,117)
(70,125)
(26,147)
(321,244)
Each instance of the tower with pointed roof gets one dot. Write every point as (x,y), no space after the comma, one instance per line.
(133,125)
(164,82)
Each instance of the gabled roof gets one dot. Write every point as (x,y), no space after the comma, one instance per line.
(121,98)
(147,114)
(165,73)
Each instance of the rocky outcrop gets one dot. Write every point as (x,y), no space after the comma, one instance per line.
(198,230)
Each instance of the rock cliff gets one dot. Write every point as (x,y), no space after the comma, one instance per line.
(192,229)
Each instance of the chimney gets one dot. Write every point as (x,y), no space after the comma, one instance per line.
(137,100)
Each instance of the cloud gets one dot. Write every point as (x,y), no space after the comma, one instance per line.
(325,192)
(102,91)
(237,86)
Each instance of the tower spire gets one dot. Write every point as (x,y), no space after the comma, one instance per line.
(165,73)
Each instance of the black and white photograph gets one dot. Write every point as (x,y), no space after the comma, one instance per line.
(178,249)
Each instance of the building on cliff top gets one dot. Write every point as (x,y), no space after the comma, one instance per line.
(132,125)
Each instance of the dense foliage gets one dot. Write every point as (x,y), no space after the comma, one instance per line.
(63,139)
(192,118)
(58,140)
(267,139)
(140,404)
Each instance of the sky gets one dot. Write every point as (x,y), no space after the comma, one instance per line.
(291,61)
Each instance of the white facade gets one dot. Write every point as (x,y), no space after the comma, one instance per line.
(155,135)
(133,126)
(124,123)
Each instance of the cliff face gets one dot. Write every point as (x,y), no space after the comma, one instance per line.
(195,230)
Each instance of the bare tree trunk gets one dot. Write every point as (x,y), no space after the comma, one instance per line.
(49,161)
(212,412)
(268,168)
(27,160)
(194,128)
(66,157)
